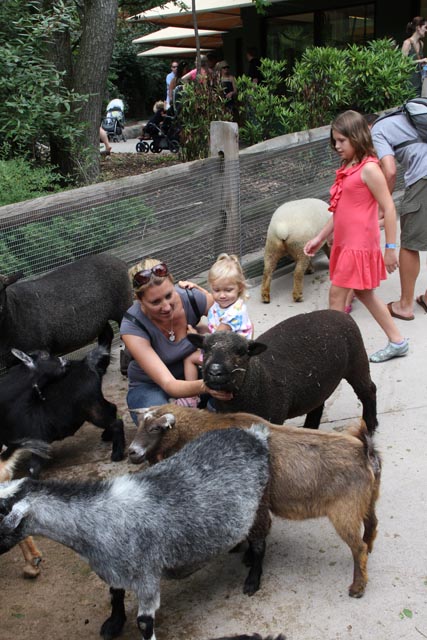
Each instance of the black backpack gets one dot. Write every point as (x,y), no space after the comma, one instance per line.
(416,112)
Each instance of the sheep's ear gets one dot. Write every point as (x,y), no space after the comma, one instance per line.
(7,280)
(196,340)
(141,411)
(167,421)
(25,358)
(255,348)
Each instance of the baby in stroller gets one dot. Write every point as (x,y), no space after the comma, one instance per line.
(153,128)
(114,121)
(161,130)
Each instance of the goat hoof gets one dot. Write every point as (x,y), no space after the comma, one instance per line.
(266,299)
(356,591)
(112,628)
(298,298)
(31,570)
(118,455)
(250,587)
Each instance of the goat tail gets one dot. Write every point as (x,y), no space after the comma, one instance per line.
(371,452)
(17,451)
(99,358)
(28,446)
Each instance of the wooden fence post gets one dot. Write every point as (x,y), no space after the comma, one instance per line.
(225,143)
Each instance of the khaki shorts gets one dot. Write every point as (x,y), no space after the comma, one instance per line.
(413,217)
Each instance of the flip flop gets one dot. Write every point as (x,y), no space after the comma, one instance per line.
(420,300)
(397,315)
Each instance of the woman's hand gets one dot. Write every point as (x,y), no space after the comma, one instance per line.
(224,396)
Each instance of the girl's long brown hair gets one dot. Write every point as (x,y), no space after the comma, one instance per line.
(352,125)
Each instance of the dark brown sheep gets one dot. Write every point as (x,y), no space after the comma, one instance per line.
(299,363)
(313,473)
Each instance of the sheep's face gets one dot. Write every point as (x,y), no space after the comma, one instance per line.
(226,359)
(154,425)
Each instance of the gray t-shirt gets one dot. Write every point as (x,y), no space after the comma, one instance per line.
(171,353)
(391,131)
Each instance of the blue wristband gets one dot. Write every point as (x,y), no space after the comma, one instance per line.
(390,245)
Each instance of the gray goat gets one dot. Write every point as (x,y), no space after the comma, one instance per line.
(168,520)
(291,369)
(64,309)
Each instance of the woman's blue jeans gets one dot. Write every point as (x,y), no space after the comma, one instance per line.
(146,394)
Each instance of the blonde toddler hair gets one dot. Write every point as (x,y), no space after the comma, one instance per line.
(159,106)
(228,267)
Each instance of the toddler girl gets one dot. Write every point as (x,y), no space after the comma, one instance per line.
(356,261)
(228,311)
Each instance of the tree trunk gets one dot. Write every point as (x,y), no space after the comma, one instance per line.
(90,77)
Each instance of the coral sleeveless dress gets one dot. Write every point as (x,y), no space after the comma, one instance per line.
(356,260)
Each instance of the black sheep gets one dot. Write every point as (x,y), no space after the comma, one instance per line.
(299,363)
(64,309)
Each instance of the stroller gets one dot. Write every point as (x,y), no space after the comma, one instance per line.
(164,137)
(114,121)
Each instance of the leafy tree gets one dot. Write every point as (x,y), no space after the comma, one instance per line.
(57,55)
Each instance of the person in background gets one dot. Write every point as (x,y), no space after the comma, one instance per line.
(228,83)
(202,76)
(356,260)
(387,135)
(176,85)
(212,60)
(153,126)
(103,136)
(171,75)
(413,47)
(254,64)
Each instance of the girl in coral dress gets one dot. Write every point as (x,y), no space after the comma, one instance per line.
(356,260)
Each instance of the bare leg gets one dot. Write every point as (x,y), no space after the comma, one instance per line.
(409,269)
(378,309)
(338,297)
(103,136)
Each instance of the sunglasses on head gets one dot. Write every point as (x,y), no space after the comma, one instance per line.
(143,277)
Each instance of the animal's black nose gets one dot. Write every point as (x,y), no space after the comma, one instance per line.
(215,369)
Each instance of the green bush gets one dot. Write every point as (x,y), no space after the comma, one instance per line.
(65,238)
(202,103)
(23,180)
(323,82)
(320,86)
(379,76)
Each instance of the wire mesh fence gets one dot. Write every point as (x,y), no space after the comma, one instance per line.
(179,214)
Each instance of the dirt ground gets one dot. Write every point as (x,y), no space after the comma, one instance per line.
(121,165)
(68,599)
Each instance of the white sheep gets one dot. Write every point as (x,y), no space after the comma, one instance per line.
(291,226)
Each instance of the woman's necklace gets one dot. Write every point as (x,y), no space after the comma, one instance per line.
(171,333)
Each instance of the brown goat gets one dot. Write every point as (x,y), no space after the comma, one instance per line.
(313,473)
(32,555)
